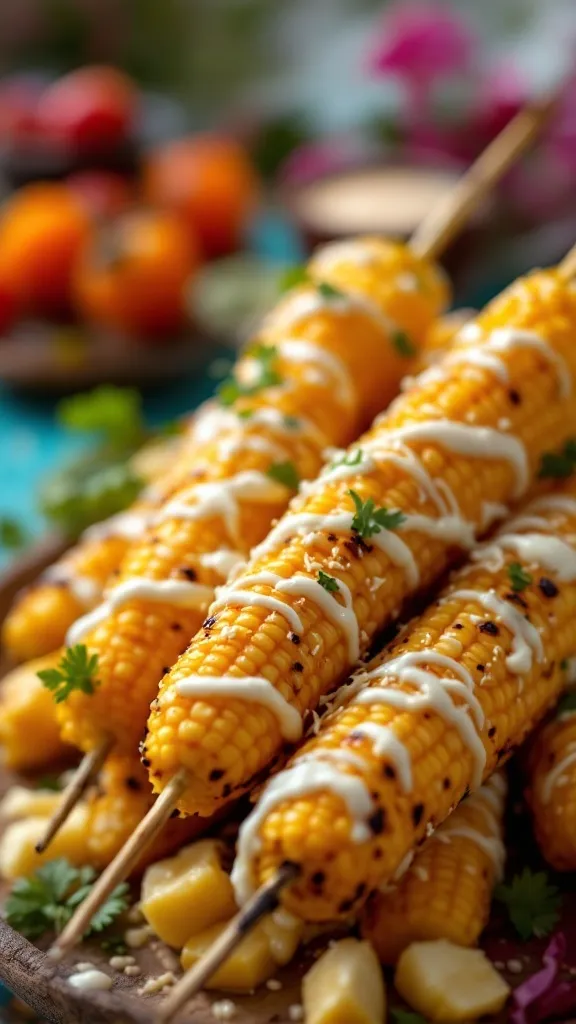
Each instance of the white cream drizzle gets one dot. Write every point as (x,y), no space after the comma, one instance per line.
(387,746)
(254,689)
(214,421)
(526,640)
(181,593)
(295,782)
(492,846)
(220,498)
(239,598)
(555,503)
(431,691)
(222,562)
(556,776)
(342,615)
(130,524)
(548,552)
(299,350)
(86,590)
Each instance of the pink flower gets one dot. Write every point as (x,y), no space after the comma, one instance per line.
(421,41)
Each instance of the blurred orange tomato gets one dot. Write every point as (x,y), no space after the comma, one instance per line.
(103,193)
(8,308)
(210,181)
(43,228)
(89,109)
(132,275)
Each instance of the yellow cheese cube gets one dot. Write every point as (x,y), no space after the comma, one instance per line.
(249,965)
(345,986)
(449,983)
(20,802)
(185,894)
(284,932)
(18,856)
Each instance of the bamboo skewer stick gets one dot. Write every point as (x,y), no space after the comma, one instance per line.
(429,240)
(262,903)
(88,769)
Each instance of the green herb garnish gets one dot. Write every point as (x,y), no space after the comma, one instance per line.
(75,671)
(245,414)
(47,900)
(348,459)
(114,946)
(566,703)
(115,413)
(88,491)
(533,904)
(266,376)
(52,782)
(403,344)
(328,291)
(519,578)
(559,465)
(12,535)
(284,473)
(407,1017)
(328,582)
(291,422)
(369,520)
(292,277)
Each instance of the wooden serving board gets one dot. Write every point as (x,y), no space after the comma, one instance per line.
(28,973)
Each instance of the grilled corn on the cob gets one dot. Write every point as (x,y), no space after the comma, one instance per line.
(29,731)
(446,891)
(434,716)
(467,438)
(325,359)
(551,791)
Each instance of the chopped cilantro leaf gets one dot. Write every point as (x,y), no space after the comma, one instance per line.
(245,414)
(353,458)
(519,578)
(328,291)
(47,899)
(293,276)
(403,344)
(12,534)
(265,377)
(75,671)
(533,904)
(559,465)
(328,582)
(291,422)
(284,473)
(368,519)
(114,412)
(407,1017)
(567,703)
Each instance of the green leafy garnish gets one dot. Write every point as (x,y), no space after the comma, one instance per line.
(91,489)
(245,414)
(12,535)
(47,900)
(284,473)
(291,422)
(566,703)
(533,904)
(519,578)
(115,413)
(559,465)
(403,344)
(75,671)
(407,1017)
(114,946)
(328,291)
(265,377)
(328,582)
(292,277)
(369,520)
(348,459)
(52,782)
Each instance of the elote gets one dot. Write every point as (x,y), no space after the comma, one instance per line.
(551,790)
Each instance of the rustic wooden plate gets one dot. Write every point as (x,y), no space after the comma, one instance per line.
(26,970)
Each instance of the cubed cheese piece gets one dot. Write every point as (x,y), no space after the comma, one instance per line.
(449,983)
(249,965)
(345,986)
(188,893)
(18,856)
(284,932)
(20,802)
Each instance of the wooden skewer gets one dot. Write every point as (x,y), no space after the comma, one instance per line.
(429,240)
(263,902)
(88,769)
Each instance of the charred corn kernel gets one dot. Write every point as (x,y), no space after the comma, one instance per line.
(449,452)
(253,961)
(116,807)
(188,893)
(29,730)
(433,716)
(345,986)
(449,983)
(20,802)
(17,853)
(446,891)
(322,358)
(551,790)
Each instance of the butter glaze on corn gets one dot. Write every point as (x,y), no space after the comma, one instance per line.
(458,715)
(459,449)
(230,500)
(446,891)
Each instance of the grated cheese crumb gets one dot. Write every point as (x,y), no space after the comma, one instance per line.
(376,584)
(136,938)
(84,966)
(132,971)
(514,966)
(154,985)
(224,1009)
(120,962)
(296,1012)
(273,984)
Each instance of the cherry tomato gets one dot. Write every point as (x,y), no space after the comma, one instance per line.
(89,109)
